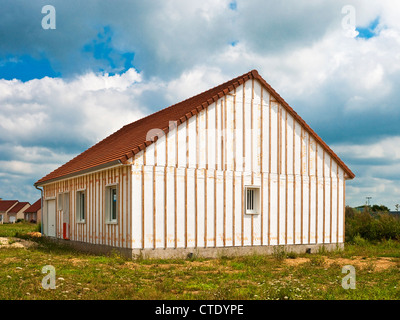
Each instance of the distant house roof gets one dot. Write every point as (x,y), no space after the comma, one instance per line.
(5,205)
(132,138)
(34,207)
(18,207)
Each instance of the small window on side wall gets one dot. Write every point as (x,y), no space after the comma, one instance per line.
(81,206)
(112,204)
(252,200)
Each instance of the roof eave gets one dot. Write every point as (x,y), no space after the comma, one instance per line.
(81,172)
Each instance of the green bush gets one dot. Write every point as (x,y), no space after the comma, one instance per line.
(360,241)
(371,226)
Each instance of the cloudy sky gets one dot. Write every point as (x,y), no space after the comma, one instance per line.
(68,82)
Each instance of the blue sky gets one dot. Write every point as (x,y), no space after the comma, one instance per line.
(108,63)
(369,31)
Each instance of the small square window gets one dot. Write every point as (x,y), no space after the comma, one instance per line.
(252,200)
(80,206)
(112,204)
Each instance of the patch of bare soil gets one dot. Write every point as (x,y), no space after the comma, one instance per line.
(377,264)
(34,234)
(16,243)
(296,262)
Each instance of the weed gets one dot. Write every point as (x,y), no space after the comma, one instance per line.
(360,241)
(322,250)
(317,260)
(292,255)
(117,256)
(279,253)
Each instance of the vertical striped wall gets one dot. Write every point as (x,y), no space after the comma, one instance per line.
(188,186)
(95,229)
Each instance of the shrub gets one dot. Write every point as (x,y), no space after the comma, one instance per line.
(371,226)
(279,253)
(292,255)
(360,241)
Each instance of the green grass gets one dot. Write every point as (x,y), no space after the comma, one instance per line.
(16,229)
(278,276)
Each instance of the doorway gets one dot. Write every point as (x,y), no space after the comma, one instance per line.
(51,218)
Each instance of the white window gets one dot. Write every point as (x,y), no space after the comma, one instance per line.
(111,204)
(252,200)
(63,201)
(60,201)
(81,205)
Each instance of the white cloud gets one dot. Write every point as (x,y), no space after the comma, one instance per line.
(377,169)
(44,123)
(387,148)
(54,110)
(16,167)
(192,82)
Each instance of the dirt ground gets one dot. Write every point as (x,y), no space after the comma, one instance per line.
(15,243)
(378,264)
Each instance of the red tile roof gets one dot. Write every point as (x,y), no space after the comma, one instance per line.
(131,139)
(6,204)
(18,207)
(35,207)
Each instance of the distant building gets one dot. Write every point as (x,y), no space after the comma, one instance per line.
(12,210)
(5,207)
(17,212)
(34,212)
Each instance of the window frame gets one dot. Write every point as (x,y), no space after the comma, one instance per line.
(109,203)
(63,200)
(254,197)
(79,207)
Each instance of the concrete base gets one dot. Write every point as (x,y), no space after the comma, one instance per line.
(184,253)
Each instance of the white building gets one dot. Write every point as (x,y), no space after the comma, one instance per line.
(234,170)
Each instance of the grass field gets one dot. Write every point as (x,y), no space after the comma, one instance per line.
(279,276)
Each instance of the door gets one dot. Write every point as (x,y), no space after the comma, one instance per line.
(51,218)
